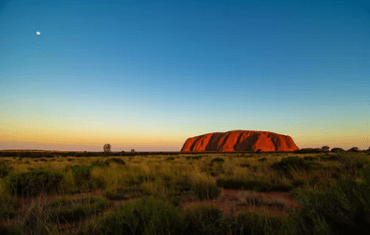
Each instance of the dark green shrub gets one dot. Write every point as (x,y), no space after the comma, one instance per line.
(119,161)
(205,189)
(310,158)
(218,160)
(194,157)
(337,150)
(5,169)
(170,159)
(100,163)
(10,154)
(292,163)
(81,173)
(145,216)
(329,158)
(204,219)
(48,155)
(233,183)
(245,165)
(345,209)
(310,150)
(353,149)
(33,182)
(353,164)
(10,230)
(121,194)
(8,206)
(256,224)
(68,210)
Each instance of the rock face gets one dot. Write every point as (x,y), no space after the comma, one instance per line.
(234,141)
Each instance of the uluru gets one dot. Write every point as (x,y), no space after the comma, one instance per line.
(240,141)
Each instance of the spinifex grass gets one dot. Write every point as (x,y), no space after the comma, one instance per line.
(176,179)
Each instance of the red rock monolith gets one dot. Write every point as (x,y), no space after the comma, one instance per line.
(239,141)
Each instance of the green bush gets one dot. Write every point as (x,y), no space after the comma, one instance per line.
(217,159)
(100,163)
(345,209)
(170,159)
(5,169)
(145,216)
(81,174)
(204,219)
(121,194)
(337,150)
(256,224)
(117,160)
(10,230)
(205,188)
(286,165)
(8,206)
(194,157)
(33,182)
(68,210)
(310,158)
(253,184)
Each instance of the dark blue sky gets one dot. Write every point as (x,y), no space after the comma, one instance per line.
(149,74)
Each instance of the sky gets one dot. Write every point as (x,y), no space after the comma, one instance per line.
(146,75)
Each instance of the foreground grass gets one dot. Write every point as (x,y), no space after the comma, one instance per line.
(332,189)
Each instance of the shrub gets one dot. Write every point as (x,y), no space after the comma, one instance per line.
(292,163)
(310,158)
(217,159)
(117,160)
(337,150)
(262,159)
(121,193)
(8,206)
(100,163)
(330,158)
(81,174)
(145,216)
(310,150)
(204,219)
(67,210)
(353,149)
(345,209)
(5,169)
(256,224)
(194,157)
(33,182)
(204,188)
(246,184)
(170,159)
(11,230)
(245,165)
(325,148)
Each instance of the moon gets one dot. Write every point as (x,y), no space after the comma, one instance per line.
(38,33)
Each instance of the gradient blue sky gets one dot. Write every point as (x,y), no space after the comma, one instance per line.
(149,74)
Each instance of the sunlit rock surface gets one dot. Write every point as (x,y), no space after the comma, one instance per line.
(234,141)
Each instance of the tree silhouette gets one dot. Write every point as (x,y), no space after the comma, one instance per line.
(107,148)
(325,148)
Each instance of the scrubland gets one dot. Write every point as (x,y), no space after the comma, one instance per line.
(216,193)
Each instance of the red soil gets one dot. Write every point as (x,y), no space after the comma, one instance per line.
(231,202)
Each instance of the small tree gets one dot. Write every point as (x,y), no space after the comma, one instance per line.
(337,150)
(107,148)
(353,149)
(325,148)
